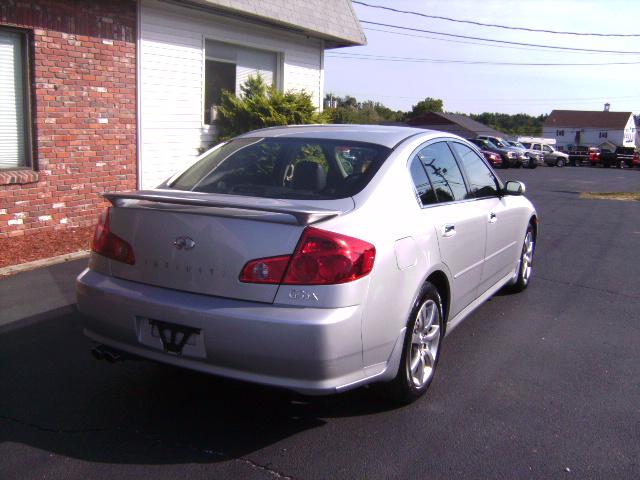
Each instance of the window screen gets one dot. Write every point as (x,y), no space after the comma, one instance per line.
(228,66)
(443,171)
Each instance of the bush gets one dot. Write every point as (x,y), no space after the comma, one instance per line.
(260,106)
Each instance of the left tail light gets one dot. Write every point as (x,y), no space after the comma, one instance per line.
(321,258)
(108,244)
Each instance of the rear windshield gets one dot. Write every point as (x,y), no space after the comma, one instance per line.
(292,168)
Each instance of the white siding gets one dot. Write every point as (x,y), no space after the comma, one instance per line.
(588,136)
(171,83)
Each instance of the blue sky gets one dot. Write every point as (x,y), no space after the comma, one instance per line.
(492,88)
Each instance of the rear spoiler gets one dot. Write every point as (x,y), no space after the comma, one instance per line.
(304,215)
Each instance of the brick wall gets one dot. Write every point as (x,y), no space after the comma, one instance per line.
(83,86)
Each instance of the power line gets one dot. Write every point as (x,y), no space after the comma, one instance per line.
(554,47)
(473,43)
(494,25)
(362,56)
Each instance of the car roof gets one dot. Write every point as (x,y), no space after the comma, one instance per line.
(386,135)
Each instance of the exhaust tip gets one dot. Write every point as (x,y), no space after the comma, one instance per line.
(111,355)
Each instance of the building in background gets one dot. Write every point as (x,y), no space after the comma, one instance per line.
(455,123)
(110,95)
(573,128)
(68,116)
(191,51)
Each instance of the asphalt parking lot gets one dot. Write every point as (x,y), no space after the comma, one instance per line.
(544,384)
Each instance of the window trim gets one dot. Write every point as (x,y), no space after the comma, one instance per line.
(29,157)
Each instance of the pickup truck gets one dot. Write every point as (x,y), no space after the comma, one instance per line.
(621,157)
(552,157)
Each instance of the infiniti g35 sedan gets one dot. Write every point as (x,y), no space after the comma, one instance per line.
(314,258)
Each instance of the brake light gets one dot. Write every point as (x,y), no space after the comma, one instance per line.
(635,160)
(321,258)
(108,244)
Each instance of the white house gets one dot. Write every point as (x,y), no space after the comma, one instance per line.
(188,51)
(590,128)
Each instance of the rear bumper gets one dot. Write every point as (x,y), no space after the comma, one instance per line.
(311,350)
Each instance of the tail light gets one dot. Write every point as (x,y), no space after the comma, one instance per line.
(321,258)
(108,244)
(635,160)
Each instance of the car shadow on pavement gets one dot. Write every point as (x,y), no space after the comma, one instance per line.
(58,398)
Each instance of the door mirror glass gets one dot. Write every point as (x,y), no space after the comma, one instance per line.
(513,187)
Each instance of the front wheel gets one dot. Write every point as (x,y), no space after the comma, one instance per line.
(421,349)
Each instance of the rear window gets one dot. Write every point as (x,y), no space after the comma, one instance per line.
(292,168)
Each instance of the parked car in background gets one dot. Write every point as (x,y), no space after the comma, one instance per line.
(511,157)
(503,143)
(552,157)
(494,158)
(266,261)
(578,154)
(535,157)
(621,157)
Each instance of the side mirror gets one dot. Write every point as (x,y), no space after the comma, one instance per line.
(513,187)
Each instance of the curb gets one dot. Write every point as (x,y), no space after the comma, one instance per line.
(45,262)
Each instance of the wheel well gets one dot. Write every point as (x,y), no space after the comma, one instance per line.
(439,280)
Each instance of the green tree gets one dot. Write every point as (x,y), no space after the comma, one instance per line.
(260,105)
(348,110)
(424,106)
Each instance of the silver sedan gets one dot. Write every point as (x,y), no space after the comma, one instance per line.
(315,258)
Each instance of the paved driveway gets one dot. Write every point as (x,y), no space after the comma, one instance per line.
(545,384)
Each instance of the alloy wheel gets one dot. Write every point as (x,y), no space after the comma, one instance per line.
(425,342)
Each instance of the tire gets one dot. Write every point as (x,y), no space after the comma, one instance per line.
(620,164)
(533,163)
(421,348)
(505,164)
(525,264)
(560,162)
(606,164)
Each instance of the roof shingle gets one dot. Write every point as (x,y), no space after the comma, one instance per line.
(587,119)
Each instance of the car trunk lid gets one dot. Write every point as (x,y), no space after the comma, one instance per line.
(199,242)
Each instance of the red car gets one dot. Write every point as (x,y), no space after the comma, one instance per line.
(494,158)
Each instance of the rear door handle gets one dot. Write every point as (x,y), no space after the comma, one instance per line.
(448,230)
(493,218)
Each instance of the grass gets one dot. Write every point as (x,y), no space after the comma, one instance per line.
(624,196)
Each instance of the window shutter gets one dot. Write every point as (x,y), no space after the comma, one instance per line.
(12,120)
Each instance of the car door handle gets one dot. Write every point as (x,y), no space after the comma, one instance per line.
(493,218)
(448,230)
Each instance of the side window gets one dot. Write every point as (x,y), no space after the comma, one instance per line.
(535,146)
(482,183)
(547,149)
(422,183)
(443,171)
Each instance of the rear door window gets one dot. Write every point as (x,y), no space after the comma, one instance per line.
(482,183)
(289,168)
(443,172)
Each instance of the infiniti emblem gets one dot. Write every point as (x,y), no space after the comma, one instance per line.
(184,243)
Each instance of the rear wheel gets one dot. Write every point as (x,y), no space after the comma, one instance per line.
(560,162)
(533,163)
(525,265)
(421,349)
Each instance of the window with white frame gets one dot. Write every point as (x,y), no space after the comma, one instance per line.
(559,133)
(15,150)
(228,66)
(602,135)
